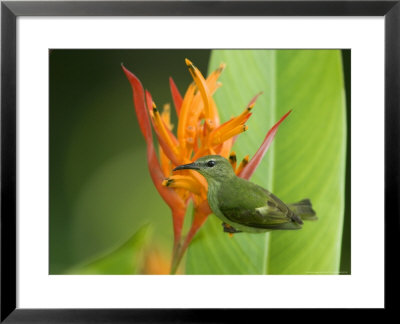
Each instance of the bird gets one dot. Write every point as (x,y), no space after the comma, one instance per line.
(244,206)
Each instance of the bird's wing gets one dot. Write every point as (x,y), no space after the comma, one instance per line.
(253,206)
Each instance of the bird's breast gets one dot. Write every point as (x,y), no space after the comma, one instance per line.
(212,195)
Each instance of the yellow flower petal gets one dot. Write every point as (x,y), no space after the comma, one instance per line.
(242,164)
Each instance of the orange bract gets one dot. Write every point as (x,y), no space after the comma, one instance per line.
(199,133)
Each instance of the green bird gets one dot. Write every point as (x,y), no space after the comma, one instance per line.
(244,206)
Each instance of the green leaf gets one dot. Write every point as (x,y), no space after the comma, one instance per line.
(306,160)
(126,259)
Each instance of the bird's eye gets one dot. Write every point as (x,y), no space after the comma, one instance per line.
(211,163)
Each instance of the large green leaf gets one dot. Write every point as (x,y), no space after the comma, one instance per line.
(306,160)
(125,259)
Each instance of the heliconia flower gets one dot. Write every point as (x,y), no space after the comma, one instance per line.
(199,133)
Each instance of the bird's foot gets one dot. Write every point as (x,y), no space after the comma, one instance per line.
(230,229)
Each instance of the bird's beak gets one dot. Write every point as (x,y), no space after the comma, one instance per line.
(192,166)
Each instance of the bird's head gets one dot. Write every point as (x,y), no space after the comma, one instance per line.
(211,167)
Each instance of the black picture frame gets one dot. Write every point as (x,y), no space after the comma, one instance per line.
(10,10)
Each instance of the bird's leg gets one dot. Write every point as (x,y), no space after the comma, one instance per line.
(229,229)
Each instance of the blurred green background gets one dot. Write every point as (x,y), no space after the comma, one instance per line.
(100,189)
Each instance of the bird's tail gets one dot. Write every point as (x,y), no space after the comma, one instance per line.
(303,208)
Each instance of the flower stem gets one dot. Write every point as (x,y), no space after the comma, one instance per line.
(177,257)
